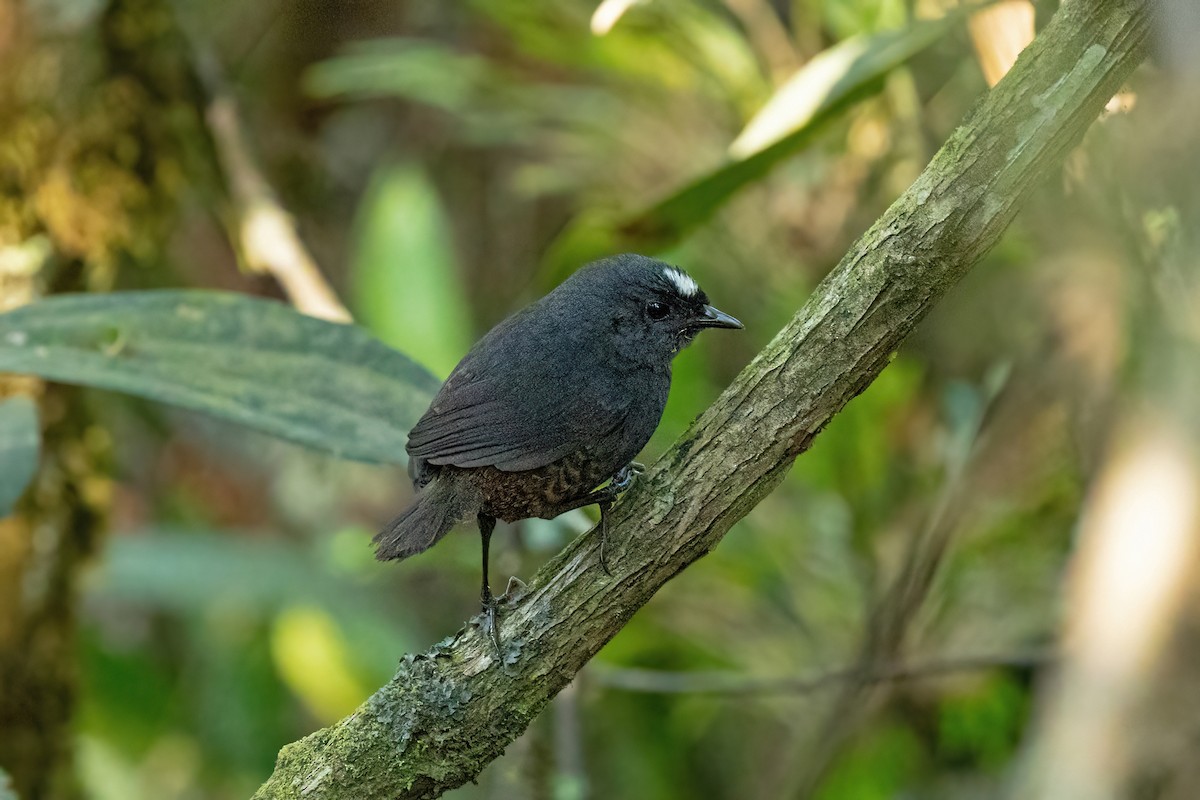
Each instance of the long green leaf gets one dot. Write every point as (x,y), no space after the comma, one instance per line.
(406,288)
(186,571)
(189,571)
(829,81)
(255,362)
(20,449)
(817,94)
(418,70)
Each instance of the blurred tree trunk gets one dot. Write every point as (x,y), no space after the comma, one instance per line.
(37,570)
(90,167)
(42,548)
(43,543)
(1120,718)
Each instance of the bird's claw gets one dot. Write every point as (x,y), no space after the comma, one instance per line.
(624,477)
(510,595)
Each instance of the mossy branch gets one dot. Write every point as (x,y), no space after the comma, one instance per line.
(450,711)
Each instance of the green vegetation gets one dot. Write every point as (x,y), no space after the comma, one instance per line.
(190,531)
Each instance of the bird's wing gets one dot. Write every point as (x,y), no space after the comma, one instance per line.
(517,414)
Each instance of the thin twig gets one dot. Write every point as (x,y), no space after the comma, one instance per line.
(264,231)
(654,681)
(768,35)
(890,620)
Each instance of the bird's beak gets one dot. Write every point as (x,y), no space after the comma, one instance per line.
(715,318)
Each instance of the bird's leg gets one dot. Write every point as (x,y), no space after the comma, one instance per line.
(621,480)
(604,497)
(487,601)
(605,505)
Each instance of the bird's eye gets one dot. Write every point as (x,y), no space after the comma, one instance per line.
(656,310)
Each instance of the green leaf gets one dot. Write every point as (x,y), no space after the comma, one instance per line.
(800,109)
(984,722)
(188,571)
(406,288)
(422,71)
(830,82)
(818,93)
(20,450)
(191,572)
(490,105)
(880,765)
(255,362)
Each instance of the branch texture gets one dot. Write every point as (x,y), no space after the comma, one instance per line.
(451,710)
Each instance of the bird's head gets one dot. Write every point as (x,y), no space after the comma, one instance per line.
(654,310)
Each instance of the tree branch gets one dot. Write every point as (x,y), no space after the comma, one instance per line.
(451,710)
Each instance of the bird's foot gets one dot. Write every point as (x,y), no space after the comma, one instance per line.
(490,626)
(624,477)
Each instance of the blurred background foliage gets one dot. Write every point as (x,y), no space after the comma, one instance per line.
(446,163)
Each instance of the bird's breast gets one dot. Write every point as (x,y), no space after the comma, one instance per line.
(541,492)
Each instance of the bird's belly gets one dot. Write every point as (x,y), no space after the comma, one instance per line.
(541,492)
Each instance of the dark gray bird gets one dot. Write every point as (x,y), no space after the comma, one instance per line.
(551,403)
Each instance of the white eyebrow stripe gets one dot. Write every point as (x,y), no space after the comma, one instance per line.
(682,282)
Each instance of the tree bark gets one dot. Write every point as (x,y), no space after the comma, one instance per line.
(451,710)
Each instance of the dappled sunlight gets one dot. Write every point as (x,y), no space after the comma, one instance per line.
(311,657)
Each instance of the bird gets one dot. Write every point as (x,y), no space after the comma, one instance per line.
(547,411)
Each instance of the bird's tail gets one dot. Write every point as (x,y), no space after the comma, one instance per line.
(438,507)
